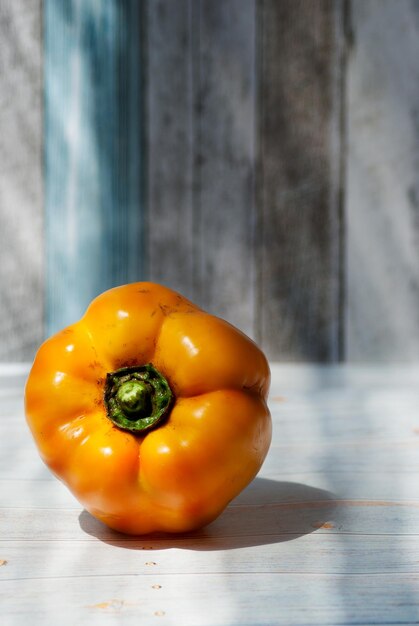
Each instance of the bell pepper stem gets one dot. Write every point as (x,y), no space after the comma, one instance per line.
(137,398)
(133,397)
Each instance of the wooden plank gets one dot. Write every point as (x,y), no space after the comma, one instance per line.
(21,189)
(92,152)
(169,144)
(355,459)
(283,486)
(225,123)
(382,191)
(240,599)
(201,136)
(306,378)
(299,179)
(119,556)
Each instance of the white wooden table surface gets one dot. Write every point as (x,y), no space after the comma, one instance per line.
(327,534)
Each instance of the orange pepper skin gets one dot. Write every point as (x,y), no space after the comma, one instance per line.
(180,475)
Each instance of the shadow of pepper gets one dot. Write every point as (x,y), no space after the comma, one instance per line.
(266,512)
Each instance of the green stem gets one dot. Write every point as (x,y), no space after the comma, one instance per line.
(137,398)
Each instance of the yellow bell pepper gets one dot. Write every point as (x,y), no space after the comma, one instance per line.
(150,410)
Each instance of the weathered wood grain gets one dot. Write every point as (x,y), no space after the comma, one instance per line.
(189,599)
(21,189)
(92,152)
(225,116)
(200,555)
(382,190)
(201,135)
(169,142)
(300,239)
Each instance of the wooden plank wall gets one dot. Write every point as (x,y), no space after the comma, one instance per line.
(275,182)
(253,223)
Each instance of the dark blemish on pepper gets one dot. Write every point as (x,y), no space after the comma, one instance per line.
(120,363)
(143,290)
(94,365)
(165,309)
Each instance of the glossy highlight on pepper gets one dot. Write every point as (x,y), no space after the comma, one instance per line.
(152,411)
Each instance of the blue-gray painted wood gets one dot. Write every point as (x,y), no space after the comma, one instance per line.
(94,227)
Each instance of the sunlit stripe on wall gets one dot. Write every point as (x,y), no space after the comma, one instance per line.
(94,223)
